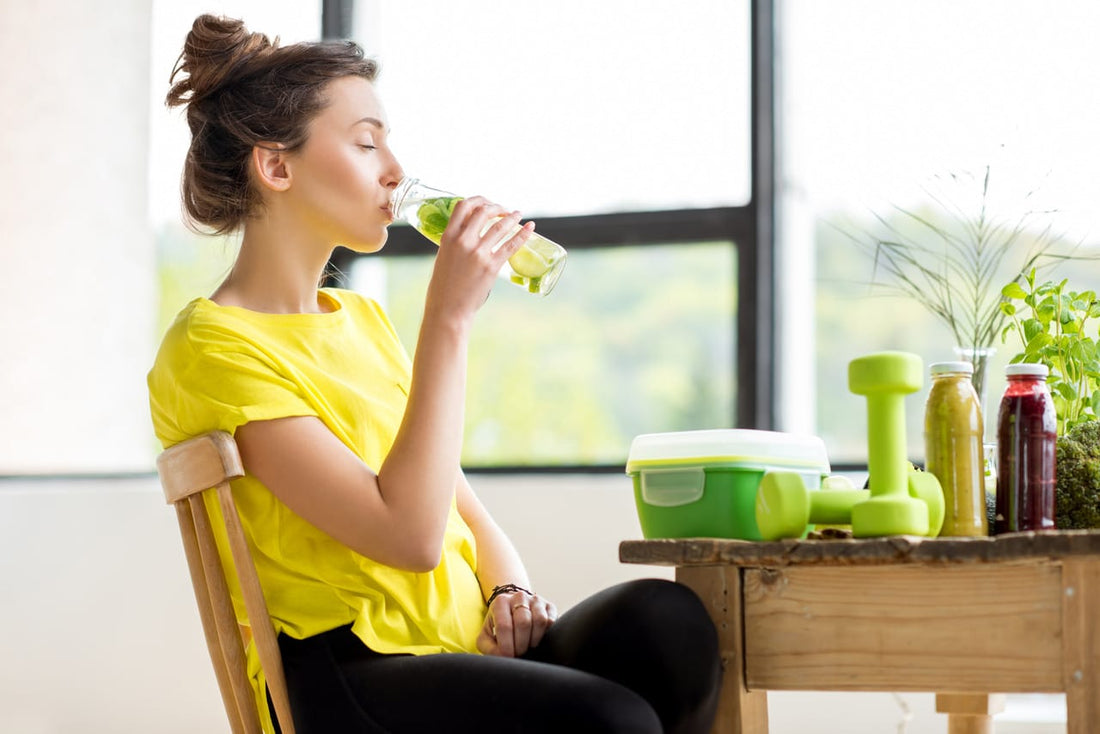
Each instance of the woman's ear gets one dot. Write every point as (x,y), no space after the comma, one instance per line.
(270,166)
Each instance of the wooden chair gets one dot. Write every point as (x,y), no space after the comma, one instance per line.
(187,471)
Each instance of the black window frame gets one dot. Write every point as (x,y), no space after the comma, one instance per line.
(751,229)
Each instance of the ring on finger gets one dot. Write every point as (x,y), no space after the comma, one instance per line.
(521,606)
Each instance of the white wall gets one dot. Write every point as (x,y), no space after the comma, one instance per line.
(75,253)
(99,633)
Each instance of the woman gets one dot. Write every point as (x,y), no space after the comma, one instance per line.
(399,604)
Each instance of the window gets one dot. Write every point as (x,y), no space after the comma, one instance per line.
(880,104)
(632,340)
(610,127)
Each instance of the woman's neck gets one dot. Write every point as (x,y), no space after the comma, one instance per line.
(278,270)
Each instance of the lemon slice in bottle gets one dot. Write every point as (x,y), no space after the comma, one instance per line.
(528,263)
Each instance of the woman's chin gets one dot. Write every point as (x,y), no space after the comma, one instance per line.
(367,245)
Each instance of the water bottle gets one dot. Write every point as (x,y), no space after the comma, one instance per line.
(535,267)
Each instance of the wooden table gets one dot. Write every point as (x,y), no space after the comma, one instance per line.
(965,618)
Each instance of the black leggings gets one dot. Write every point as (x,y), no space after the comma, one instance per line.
(638,657)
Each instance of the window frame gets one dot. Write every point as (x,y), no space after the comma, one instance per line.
(750,228)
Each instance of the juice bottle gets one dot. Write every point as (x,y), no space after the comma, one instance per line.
(535,267)
(1026,435)
(953,447)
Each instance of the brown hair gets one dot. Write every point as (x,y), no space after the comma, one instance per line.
(242,89)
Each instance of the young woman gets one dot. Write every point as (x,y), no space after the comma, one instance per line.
(399,604)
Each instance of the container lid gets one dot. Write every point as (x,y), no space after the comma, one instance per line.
(1027,368)
(727,447)
(943,368)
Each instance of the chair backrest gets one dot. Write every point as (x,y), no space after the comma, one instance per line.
(188,470)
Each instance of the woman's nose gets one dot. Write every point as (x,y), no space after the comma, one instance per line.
(394,173)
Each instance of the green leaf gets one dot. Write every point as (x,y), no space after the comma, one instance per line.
(1008,309)
(1037,342)
(1032,327)
(1013,290)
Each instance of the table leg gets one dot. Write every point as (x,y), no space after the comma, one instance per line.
(970,713)
(1081,643)
(740,711)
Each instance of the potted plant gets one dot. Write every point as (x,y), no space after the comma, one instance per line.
(951,260)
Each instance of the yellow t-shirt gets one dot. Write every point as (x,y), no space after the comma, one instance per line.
(220,367)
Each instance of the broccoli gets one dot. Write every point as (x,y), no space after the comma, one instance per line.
(1077,493)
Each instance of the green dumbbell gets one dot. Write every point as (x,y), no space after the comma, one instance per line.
(785,505)
(926,487)
(885,379)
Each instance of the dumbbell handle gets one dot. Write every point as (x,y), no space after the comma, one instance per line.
(886,457)
(834,506)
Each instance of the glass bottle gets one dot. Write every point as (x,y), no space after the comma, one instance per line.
(535,267)
(953,447)
(1026,435)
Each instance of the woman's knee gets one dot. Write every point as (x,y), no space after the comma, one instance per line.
(664,605)
(677,647)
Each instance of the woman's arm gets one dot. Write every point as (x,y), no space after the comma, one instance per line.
(498,563)
(517,620)
(398,515)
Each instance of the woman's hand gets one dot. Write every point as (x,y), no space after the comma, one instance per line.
(515,623)
(467,265)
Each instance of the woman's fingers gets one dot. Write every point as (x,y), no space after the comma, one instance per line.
(516,241)
(471,215)
(543,614)
(515,623)
(479,238)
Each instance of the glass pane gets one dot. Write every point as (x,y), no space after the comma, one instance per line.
(569,107)
(631,341)
(882,104)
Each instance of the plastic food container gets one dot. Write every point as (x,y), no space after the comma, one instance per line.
(702,484)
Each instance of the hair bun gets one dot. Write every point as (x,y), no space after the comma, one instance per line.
(213,54)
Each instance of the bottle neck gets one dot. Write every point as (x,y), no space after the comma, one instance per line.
(400,194)
(1022,379)
(951,375)
(410,194)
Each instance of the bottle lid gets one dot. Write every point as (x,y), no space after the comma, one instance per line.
(1026,368)
(943,368)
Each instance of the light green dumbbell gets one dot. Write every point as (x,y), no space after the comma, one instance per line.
(926,487)
(885,379)
(785,506)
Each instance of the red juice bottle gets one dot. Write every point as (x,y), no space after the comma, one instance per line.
(1026,434)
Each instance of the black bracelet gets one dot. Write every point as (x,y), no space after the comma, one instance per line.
(505,589)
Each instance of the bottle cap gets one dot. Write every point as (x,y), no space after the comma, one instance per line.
(943,368)
(1027,368)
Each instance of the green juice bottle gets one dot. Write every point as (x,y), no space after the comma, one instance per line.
(953,448)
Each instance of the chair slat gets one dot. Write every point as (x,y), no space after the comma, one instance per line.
(206,615)
(263,633)
(225,620)
(187,470)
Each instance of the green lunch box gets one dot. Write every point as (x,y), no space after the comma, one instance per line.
(702,484)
